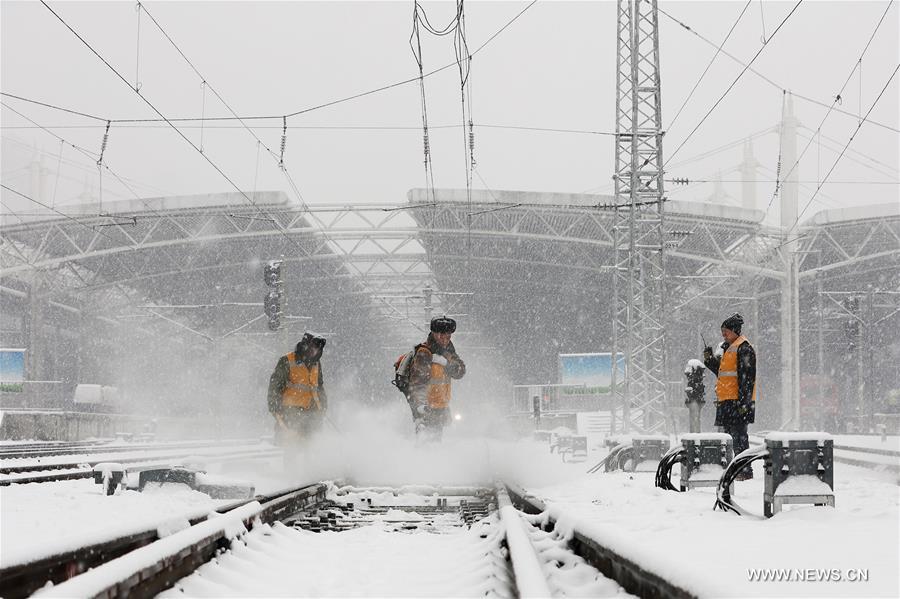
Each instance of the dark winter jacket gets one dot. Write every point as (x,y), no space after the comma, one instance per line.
(279,379)
(744,409)
(420,368)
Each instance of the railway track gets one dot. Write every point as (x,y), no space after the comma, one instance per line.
(50,449)
(497,543)
(44,473)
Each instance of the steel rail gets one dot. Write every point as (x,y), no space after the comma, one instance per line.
(632,577)
(40,450)
(139,463)
(24,579)
(530,580)
(150,453)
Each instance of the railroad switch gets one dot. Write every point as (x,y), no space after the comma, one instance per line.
(647,451)
(799,468)
(572,448)
(110,475)
(706,455)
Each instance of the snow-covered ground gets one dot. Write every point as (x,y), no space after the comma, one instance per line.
(678,535)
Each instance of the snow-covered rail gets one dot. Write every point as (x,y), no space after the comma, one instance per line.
(142,564)
(28,451)
(37,472)
(631,576)
(526,565)
(422,540)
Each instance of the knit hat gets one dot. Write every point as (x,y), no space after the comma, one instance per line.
(734,323)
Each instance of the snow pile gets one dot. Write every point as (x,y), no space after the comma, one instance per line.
(42,519)
(711,553)
(277,561)
(803,484)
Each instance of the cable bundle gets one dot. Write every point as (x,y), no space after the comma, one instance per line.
(664,470)
(723,490)
(613,460)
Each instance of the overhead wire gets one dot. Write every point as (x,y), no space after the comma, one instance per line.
(93,156)
(768,80)
(849,141)
(893,167)
(326,104)
(279,158)
(833,103)
(172,125)
(771,252)
(708,66)
(329,127)
(733,83)
(78,165)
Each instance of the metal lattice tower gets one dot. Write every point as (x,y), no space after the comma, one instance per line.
(639,273)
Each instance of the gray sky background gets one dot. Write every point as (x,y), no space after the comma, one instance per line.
(553,67)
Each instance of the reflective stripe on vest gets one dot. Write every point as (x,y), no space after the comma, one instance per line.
(438,387)
(302,388)
(727,383)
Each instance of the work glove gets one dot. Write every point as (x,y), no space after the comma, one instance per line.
(439,359)
(707,353)
(420,409)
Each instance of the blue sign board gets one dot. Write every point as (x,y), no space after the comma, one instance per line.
(12,369)
(589,374)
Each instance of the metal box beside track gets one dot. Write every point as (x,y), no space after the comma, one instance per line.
(706,455)
(799,469)
(648,450)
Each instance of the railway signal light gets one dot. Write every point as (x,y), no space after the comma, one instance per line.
(272,300)
(272,273)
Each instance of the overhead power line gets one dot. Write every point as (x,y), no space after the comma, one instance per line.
(849,141)
(150,104)
(768,80)
(834,102)
(289,114)
(733,83)
(709,65)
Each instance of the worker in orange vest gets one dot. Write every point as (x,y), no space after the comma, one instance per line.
(434,364)
(296,396)
(734,363)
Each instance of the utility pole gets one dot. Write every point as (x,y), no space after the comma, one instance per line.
(639,273)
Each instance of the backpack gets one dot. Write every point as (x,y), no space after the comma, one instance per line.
(401,371)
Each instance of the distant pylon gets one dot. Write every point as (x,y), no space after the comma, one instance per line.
(639,274)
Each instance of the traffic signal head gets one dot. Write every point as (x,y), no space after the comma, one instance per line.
(272,305)
(272,273)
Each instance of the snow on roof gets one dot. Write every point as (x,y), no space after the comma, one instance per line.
(264,199)
(186,202)
(505,196)
(870,211)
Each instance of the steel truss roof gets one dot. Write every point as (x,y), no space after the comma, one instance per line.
(529,270)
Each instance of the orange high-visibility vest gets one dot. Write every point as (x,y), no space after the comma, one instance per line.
(302,389)
(438,387)
(727,383)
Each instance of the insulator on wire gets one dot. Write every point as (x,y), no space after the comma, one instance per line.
(471,136)
(283,142)
(426,144)
(103,145)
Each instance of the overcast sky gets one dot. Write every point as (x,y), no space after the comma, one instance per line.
(553,67)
